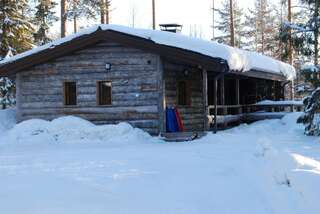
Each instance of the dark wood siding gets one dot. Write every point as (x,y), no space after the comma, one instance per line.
(193,113)
(135,86)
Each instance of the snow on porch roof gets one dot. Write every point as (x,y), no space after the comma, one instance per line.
(238,60)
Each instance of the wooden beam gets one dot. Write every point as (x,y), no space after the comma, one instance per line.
(239,111)
(215,99)
(261,75)
(161,99)
(222,95)
(216,78)
(205,99)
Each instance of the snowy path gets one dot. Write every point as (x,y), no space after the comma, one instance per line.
(267,167)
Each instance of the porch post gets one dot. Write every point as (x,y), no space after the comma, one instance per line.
(215,99)
(239,110)
(292,94)
(161,99)
(205,99)
(222,96)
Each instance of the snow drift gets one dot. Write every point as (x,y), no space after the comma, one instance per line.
(73,129)
(7,119)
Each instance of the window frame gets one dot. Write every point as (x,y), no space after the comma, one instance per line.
(65,94)
(98,101)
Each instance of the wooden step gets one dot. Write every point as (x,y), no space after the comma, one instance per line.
(181,136)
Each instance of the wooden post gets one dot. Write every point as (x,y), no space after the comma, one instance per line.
(238,95)
(292,93)
(215,100)
(216,78)
(63,18)
(18,97)
(222,95)
(153,15)
(162,97)
(205,99)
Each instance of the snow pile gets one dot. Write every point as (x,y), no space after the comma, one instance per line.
(309,67)
(238,60)
(73,129)
(7,119)
(280,102)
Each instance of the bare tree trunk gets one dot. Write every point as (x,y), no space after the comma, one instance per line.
(262,26)
(75,16)
(63,18)
(316,33)
(213,36)
(232,40)
(108,2)
(102,11)
(290,46)
(153,15)
(74,23)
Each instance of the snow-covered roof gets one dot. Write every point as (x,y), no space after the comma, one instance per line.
(238,60)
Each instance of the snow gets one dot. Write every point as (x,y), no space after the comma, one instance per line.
(238,60)
(7,119)
(280,102)
(309,67)
(70,165)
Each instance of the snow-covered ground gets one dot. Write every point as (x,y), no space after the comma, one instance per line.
(71,166)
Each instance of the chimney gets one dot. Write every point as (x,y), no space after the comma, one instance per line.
(173,28)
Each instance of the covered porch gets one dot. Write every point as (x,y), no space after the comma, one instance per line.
(213,99)
(234,98)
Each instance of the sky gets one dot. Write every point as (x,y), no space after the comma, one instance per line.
(190,13)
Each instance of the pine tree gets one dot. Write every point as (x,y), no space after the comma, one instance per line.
(89,9)
(15,37)
(305,31)
(223,24)
(16,30)
(7,96)
(310,117)
(44,18)
(262,28)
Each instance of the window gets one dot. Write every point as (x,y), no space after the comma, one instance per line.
(70,93)
(104,93)
(184,97)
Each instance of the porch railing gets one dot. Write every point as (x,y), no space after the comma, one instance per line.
(234,113)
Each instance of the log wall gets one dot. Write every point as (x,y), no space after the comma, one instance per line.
(193,114)
(135,79)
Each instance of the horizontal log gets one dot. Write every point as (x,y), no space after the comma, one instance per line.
(94,110)
(81,104)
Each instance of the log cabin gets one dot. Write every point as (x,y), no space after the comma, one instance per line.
(109,74)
